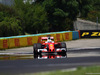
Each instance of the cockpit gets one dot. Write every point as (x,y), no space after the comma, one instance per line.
(48,39)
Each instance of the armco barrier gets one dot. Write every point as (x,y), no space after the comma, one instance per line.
(59,37)
(34,40)
(14,42)
(27,40)
(22,41)
(4,43)
(75,35)
(67,36)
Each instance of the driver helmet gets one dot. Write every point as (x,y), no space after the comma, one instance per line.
(49,39)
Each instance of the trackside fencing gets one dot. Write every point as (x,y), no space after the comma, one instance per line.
(28,40)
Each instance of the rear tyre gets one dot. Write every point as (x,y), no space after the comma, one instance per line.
(35,50)
(36,47)
(39,46)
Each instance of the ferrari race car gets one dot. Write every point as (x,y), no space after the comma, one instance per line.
(48,45)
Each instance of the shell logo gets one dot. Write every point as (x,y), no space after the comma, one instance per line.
(51,45)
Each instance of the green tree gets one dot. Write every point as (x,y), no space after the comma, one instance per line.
(95,12)
(22,10)
(96,5)
(9,24)
(38,19)
(1,16)
(10,27)
(7,11)
(59,11)
(33,17)
(85,6)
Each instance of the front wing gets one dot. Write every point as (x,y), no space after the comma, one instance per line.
(56,50)
(51,56)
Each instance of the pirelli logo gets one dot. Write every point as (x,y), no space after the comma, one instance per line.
(93,33)
(90,33)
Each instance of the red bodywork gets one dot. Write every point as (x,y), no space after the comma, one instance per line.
(51,47)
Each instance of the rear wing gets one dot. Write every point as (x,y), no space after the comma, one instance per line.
(45,38)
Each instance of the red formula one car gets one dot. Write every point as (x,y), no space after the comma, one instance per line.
(48,45)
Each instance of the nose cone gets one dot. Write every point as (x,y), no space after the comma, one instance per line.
(51,47)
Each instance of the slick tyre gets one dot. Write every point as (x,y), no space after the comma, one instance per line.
(39,46)
(35,49)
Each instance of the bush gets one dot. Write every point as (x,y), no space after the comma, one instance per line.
(10,27)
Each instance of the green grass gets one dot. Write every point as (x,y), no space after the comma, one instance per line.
(94,70)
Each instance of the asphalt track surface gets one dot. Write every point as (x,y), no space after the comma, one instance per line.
(15,67)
